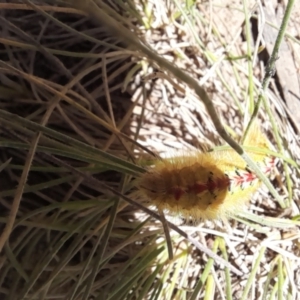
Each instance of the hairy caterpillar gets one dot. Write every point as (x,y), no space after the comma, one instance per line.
(209,185)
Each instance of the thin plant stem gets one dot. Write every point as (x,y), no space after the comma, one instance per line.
(270,68)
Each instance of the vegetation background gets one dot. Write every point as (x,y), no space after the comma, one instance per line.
(87,99)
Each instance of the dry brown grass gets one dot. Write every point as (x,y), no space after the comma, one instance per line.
(70,238)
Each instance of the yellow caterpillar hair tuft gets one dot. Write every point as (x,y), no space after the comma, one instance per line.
(209,185)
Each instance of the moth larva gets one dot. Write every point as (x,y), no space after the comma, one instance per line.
(210,185)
